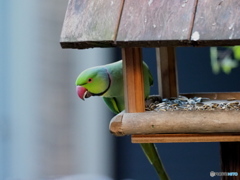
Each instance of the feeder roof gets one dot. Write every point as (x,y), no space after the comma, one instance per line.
(152,23)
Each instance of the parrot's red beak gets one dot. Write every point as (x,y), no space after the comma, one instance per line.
(83,92)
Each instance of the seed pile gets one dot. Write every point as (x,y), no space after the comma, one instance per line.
(183,103)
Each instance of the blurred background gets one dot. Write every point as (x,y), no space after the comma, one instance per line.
(47,132)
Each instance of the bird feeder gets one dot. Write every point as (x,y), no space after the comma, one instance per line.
(132,25)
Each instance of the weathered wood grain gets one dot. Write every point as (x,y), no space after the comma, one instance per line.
(178,122)
(115,125)
(186,138)
(217,20)
(159,21)
(128,23)
(133,80)
(90,23)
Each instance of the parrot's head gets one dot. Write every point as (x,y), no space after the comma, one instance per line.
(93,82)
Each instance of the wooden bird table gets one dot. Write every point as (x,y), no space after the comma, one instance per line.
(164,24)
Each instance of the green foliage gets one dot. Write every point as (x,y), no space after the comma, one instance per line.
(224,58)
(236,52)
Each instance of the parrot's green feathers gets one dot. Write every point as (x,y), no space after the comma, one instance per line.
(150,78)
(107,81)
(112,104)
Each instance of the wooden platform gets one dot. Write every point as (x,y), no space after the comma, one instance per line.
(181,126)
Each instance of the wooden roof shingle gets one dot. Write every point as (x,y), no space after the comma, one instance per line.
(127,23)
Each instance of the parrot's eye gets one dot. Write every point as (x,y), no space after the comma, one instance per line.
(90,80)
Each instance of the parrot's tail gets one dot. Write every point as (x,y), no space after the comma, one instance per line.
(150,151)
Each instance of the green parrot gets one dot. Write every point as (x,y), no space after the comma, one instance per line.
(107,81)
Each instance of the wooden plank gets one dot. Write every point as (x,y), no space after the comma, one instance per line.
(167,74)
(217,20)
(215,96)
(159,22)
(180,138)
(90,23)
(133,80)
(176,122)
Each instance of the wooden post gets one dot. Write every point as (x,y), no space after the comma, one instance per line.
(133,80)
(230,159)
(167,74)
(135,101)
